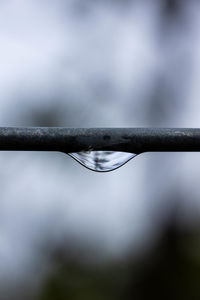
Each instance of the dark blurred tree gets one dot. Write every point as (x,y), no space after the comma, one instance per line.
(170,271)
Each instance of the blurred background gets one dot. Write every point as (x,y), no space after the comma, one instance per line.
(70,233)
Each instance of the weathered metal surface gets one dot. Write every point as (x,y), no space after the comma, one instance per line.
(136,140)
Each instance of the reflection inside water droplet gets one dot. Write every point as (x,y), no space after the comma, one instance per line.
(102,161)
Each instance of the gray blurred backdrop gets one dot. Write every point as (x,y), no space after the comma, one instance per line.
(67,232)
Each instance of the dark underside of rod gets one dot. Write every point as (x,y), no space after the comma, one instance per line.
(135,140)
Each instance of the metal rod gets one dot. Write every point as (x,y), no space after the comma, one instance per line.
(136,140)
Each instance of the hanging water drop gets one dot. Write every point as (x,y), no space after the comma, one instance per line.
(102,161)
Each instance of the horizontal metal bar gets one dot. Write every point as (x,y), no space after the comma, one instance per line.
(136,140)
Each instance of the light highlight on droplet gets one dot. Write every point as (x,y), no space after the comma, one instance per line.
(102,161)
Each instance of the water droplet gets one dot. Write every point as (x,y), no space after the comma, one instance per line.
(102,161)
